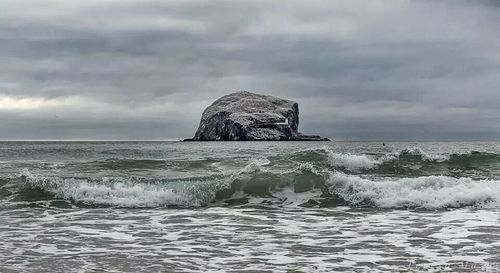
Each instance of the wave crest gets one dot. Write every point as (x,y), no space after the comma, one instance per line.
(120,192)
(431,192)
(352,162)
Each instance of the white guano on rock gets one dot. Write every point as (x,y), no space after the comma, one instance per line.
(249,116)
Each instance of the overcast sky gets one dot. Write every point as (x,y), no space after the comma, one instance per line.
(121,69)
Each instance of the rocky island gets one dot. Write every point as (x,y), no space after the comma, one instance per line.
(249,116)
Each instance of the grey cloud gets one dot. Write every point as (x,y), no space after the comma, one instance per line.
(359,70)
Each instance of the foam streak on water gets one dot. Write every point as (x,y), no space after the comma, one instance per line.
(218,239)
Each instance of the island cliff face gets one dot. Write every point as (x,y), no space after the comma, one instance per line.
(248,116)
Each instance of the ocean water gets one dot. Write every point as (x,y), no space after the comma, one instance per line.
(249,207)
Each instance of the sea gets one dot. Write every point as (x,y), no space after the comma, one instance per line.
(249,206)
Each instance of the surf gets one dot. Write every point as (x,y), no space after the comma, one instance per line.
(320,177)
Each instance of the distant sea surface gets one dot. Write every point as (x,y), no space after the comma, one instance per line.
(249,207)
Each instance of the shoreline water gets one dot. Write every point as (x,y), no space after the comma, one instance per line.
(266,206)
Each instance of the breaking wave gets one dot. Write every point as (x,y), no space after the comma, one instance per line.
(430,192)
(119,191)
(352,162)
(313,177)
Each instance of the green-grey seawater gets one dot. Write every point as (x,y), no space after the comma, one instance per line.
(254,206)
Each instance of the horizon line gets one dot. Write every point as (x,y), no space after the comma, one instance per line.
(180,139)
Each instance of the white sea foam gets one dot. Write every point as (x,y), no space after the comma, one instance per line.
(251,239)
(359,162)
(430,192)
(308,167)
(352,162)
(120,194)
(254,165)
(422,153)
(110,191)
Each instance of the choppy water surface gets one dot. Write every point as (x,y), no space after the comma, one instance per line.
(249,207)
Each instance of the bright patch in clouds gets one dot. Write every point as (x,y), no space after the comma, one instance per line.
(8,103)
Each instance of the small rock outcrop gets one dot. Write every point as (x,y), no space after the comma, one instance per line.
(248,116)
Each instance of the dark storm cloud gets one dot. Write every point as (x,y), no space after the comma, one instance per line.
(146,69)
